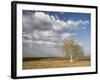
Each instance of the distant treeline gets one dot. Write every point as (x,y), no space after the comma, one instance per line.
(54,58)
(42,58)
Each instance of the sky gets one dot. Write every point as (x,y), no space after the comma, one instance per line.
(44,32)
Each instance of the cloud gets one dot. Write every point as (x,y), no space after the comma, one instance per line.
(36,21)
(44,39)
(71,24)
(41,28)
(43,21)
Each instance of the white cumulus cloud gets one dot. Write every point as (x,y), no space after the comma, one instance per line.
(48,29)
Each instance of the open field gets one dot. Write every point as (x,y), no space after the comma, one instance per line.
(54,63)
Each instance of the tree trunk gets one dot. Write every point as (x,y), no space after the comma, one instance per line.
(71,58)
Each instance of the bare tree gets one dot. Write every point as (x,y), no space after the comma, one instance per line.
(72,48)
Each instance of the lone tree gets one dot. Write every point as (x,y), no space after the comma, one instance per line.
(72,48)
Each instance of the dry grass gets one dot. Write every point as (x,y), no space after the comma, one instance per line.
(50,63)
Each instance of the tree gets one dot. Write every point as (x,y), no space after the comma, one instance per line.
(72,48)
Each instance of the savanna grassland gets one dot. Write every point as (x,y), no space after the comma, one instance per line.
(30,63)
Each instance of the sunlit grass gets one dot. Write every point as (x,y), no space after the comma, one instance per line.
(54,63)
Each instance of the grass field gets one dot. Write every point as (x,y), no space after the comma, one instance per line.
(53,63)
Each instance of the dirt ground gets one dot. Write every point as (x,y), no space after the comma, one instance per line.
(38,64)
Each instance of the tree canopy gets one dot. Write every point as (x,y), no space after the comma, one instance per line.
(72,48)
